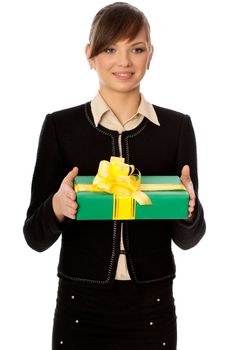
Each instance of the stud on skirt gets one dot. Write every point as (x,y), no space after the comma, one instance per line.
(122,317)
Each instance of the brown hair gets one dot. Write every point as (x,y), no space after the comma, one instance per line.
(114,22)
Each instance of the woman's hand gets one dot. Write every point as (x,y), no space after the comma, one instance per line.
(187,182)
(64,200)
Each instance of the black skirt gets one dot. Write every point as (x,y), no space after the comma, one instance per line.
(123,317)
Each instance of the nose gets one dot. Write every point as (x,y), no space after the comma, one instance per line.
(124,59)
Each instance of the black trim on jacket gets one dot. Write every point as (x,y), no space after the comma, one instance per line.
(90,249)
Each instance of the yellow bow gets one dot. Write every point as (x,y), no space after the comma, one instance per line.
(119,178)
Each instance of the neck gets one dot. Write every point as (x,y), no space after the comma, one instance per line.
(123,105)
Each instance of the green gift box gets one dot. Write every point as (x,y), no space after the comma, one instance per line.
(169,201)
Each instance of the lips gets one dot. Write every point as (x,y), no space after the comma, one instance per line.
(123,75)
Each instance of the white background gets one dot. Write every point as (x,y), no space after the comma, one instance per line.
(43,69)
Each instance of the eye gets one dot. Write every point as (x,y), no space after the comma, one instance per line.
(138,50)
(109,50)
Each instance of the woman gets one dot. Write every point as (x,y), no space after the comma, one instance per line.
(115,277)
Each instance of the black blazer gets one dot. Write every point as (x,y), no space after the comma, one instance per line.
(90,249)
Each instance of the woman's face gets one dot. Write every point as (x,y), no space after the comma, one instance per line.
(121,66)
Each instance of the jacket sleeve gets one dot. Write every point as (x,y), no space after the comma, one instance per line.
(187,233)
(41,228)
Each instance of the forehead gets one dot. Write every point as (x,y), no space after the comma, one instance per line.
(141,37)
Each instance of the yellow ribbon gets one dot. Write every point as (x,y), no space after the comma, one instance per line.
(119,178)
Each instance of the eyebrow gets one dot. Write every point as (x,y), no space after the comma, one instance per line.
(131,43)
(138,43)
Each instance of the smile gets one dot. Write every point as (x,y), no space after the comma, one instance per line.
(123,75)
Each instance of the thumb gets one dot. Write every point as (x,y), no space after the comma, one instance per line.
(70,177)
(185,173)
(186,179)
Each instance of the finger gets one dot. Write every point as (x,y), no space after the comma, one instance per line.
(190,214)
(70,176)
(70,212)
(71,194)
(185,173)
(191,193)
(188,185)
(187,182)
(192,205)
(191,209)
(70,204)
(189,188)
(71,215)
(67,191)
(192,200)
(185,177)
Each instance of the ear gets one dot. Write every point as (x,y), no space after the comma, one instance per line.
(150,56)
(90,60)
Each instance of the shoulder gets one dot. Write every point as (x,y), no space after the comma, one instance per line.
(68,113)
(66,122)
(175,123)
(170,115)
